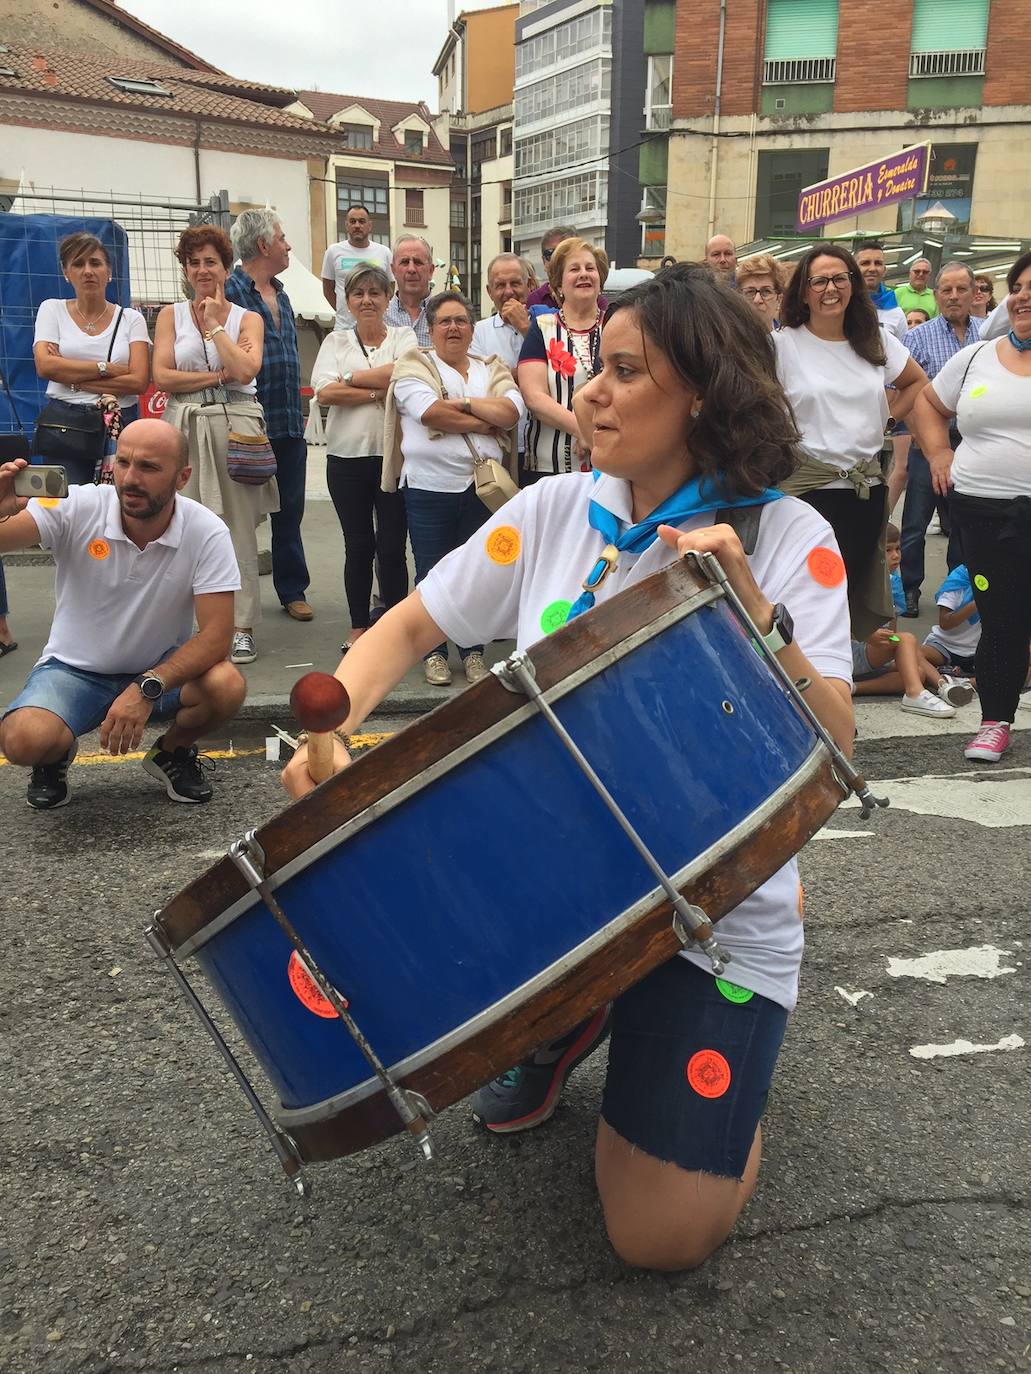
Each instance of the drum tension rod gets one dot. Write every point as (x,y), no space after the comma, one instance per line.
(710,566)
(517,673)
(249,858)
(284,1147)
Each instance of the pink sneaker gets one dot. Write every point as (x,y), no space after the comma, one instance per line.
(990,742)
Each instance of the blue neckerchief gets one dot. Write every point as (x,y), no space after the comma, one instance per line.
(691,499)
(884,297)
(1021,345)
(959,581)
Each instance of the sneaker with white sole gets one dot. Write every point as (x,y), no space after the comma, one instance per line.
(181,771)
(1024,703)
(990,742)
(436,671)
(48,783)
(475,668)
(927,704)
(954,690)
(244,650)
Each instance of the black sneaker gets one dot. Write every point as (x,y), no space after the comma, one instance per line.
(48,786)
(181,770)
(912,605)
(527,1095)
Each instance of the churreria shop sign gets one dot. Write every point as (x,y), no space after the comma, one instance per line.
(903,176)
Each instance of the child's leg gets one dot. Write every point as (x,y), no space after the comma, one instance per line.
(928,668)
(886,685)
(909,665)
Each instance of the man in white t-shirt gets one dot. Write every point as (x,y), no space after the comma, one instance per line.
(355,251)
(873,270)
(502,333)
(137,564)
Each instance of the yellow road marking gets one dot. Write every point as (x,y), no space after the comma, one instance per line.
(365,741)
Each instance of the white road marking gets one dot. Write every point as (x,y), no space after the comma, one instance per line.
(980,961)
(853,997)
(1008,1042)
(992,802)
(843,835)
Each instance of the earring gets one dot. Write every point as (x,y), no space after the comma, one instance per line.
(696,410)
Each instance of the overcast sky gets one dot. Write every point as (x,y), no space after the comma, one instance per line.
(386,48)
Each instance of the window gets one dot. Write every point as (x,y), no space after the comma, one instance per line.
(551,202)
(581,141)
(558,46)
(413,142)
(781,176)
(653,228)
(949,40)
(356,135)
(138,87)
(368,189)
(801,41)
(458,213)
(587,84)
(414,213)
(506,141)
(459,154)
(484,148)
(458,258)
(659,110)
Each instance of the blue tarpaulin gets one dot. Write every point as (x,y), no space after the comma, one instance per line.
(30,273)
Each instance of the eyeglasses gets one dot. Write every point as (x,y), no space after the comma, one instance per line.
(452,322)
(547,253)
(839,282)
(763,292)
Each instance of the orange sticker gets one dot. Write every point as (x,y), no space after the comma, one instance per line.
(98,548)
(801,902)
(708,1073)
(826,567)
(504,544)
(47,502)
(307,990)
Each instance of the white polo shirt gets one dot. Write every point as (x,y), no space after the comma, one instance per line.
(520,585)
(121,609)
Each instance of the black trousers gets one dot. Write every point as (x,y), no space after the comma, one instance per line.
(354,486)
(856,524)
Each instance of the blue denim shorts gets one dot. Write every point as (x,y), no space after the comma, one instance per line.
(82,699)
(691,1060)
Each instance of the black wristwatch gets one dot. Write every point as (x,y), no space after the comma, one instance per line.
(150,685)
(783,632)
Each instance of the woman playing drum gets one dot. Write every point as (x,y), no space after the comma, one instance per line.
(688,420)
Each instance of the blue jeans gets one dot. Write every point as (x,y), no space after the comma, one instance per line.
(916,516)
(439,521)
(289,569)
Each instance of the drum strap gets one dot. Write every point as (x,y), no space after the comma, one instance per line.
(744,521)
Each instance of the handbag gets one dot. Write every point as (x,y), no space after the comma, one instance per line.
(13,445)
(69,433)
(493,484)
(250,458)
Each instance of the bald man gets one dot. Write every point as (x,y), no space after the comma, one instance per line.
(137,564)
(721,255)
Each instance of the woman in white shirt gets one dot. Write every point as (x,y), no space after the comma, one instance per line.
(987,388)
(207,353)
(351,376)
(688,418)
(834,362)
(89,347)
(455,409)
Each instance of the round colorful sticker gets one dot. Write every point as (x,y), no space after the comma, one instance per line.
(733,993)
(307,990)
(98,548)
(504,544)
(708,1073)
(47,502)
(826,567)
(981,582)
(555,615)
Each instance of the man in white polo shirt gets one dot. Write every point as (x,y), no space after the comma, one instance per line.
(137,563)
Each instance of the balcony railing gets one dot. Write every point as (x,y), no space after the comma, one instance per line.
(961,62)
(798,71)
(659,117)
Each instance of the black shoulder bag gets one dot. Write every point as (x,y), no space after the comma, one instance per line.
(14,445)
(73,435)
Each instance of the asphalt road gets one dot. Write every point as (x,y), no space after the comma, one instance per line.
(147,1226)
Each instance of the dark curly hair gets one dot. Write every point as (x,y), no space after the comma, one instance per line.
(1016,271)
(744,438)
(200,236)
(861,325)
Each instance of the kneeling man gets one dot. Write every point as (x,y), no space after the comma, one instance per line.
(137,563)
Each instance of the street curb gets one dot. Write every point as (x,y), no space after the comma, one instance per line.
(270,706)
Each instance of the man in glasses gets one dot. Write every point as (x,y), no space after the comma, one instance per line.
(917,293)
(541,295)
(761,281)
(873,270)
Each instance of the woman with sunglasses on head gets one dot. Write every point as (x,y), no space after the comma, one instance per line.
(834,362)
(688,419)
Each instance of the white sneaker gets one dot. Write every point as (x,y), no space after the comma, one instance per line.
(1024,701)
(243,647)
(475,668)
(955,691)
(436,671)
(927,704)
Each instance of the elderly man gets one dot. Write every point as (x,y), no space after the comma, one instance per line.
(932,345)
(412,266)
(357,250)
(502,333)
(137,564)
(873,270)
(261,246)
(721,256)
(541,295)
(917,295)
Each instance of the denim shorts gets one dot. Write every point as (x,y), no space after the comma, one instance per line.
(862,670)
(690,1067)
(82,699)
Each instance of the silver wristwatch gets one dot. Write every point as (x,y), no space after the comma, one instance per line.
(347,379)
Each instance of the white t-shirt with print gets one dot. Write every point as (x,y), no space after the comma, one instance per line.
(55,325)
(994,417)
(341,258)
(474,600)
(356,431)
(121,609)
(838,398)
(443,463)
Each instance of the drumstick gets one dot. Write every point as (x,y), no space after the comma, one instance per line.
(320,703)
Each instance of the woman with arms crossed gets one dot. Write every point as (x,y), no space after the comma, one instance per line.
(687,418)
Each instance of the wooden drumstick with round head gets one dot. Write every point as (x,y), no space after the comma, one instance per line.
(320,704)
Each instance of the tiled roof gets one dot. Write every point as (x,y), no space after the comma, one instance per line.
(389,113)
(117,15)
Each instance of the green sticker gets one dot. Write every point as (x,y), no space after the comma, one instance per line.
(555,615)
(978,391)
(981,582)
(733,993)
